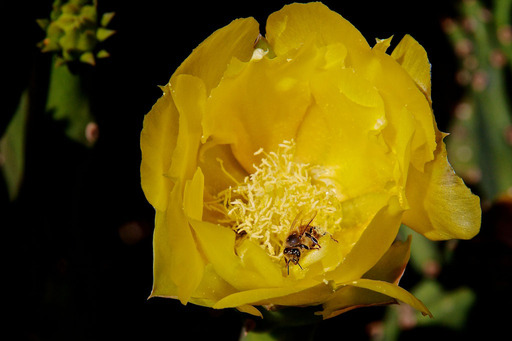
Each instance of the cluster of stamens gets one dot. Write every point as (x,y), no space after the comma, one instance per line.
(265,204)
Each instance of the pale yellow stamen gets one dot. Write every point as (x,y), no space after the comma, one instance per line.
(264,206)
(258,54)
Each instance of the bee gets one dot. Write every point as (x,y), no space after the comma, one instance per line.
(302,237)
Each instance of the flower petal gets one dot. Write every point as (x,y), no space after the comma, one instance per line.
(255,296)
(368,292)
(210,59)
(208,62)
(211,288)
(252,99)
(382,44)
(348,146)
(442,207)
(285,296)
(349,297)
(401,97)
(341,133)
(297,23)
(249,309)
(177,259)
(178,266)
(250,268)
(193,196)
(220,167)
(413,58)
(189,95)
(157,142)
(390,290)
(372,244)
(391,266)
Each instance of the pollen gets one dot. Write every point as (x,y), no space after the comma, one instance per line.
(266,203)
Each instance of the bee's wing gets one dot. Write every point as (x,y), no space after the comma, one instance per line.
(309,217)
(305,220)
(296,221)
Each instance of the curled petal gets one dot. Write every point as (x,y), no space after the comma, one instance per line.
(178,265)
(389,269)
(391,266)
(442,207)
(157,142)
(367,292)
(413,58)
(382,44)
(350,297)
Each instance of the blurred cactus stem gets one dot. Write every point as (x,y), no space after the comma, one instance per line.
(73,31)
(481,141)
(12,148)
(69,102)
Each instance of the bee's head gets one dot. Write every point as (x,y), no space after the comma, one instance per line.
(292,254)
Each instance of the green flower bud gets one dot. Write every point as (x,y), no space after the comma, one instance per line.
(74,31)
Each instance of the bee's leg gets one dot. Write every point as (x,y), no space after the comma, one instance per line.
(300,266)
(314,240)
(330,235)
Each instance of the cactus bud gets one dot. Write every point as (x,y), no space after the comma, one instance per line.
(73,31)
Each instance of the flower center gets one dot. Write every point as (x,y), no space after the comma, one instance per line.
(264,206)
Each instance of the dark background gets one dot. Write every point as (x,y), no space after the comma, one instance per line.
(78,248)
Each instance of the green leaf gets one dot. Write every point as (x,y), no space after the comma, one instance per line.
(12,148)
(69,103)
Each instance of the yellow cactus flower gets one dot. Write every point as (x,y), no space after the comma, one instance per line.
(280,168)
